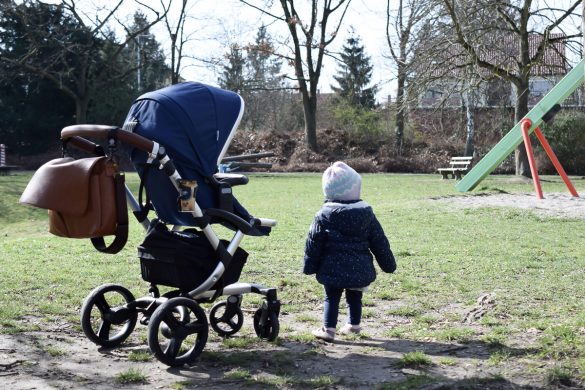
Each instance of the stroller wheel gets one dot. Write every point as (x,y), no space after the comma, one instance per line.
(266,324)
(226,319)
(177,331)
(106,318)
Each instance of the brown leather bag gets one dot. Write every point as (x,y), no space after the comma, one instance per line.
(86,198)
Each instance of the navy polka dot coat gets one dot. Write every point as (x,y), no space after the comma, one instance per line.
(341,241)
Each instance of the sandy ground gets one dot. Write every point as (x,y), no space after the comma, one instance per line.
(554,204)
(60,357)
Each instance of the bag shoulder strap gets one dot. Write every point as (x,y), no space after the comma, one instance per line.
(147,205)
(122,216)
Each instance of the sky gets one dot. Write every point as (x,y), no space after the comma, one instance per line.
(367,18)
(213,25)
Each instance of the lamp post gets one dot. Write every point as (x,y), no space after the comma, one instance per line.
(138,59)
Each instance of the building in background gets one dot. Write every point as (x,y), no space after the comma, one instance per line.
(454,79)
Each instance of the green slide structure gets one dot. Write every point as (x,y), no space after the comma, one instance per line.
(508,144)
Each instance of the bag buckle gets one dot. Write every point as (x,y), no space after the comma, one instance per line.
(112,142)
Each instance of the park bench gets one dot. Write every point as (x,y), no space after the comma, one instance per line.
(458,166)
(238,163)
(4,169)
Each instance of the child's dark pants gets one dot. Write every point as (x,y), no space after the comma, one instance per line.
(354,304)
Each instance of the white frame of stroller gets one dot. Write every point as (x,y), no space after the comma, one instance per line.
(76,135)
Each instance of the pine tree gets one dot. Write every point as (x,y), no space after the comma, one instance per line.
(145,54)
(355,74)
(265,97)
(233,77)
(264,65)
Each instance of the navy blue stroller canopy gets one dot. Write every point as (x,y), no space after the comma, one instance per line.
(195,123)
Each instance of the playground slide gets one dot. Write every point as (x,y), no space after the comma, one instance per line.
(508,144)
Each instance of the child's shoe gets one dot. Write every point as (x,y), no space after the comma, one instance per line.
(327,334)
(349,328)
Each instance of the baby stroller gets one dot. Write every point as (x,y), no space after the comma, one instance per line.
(175,138)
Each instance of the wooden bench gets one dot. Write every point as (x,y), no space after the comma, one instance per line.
(458,166)
(235,163)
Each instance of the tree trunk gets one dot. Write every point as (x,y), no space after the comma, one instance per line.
(310,112)
(81,106)
(521,109)
(470,124)
(399,127)
(174,72)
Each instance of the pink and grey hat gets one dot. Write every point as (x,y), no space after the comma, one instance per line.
(341,182)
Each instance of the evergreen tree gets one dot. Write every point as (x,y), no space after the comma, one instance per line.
(54,72)
(80,56)
(141,67)
(254,72)
(265,98)
(264,66)
(355,74)
(146,56)
(232,76)
(32,110)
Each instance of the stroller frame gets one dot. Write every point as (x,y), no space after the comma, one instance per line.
(174,318)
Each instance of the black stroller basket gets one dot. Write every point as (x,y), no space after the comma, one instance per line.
(180,259)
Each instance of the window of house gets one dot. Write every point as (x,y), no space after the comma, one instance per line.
(540,87)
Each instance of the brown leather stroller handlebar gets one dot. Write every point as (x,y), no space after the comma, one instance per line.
(76,135)
(86,146)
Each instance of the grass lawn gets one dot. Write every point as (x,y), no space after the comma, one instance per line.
(447,257)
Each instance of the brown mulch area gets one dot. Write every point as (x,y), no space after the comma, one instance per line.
(372,155)
(291,153)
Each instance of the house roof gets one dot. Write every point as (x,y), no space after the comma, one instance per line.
(505,54)
(553,61)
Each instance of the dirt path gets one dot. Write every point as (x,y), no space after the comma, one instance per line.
(62,358)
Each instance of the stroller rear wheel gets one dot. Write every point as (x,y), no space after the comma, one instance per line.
(177,331)
(226,318)
(266,324)
(106,318)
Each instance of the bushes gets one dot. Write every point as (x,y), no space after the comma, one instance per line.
(566,136)
(360,122)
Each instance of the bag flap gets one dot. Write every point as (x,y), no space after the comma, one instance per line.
(62,185)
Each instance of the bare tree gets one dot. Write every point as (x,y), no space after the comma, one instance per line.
(176,32)
(469,98)
(71,64)
(518,20)
(310,37)
(404,31)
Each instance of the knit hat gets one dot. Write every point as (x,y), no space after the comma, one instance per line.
(341,182)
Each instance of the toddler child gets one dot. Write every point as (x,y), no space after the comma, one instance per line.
(342,238)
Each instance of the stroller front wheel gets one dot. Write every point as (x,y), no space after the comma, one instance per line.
(177,331)
(106,318)
(226,318)
(266,324)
